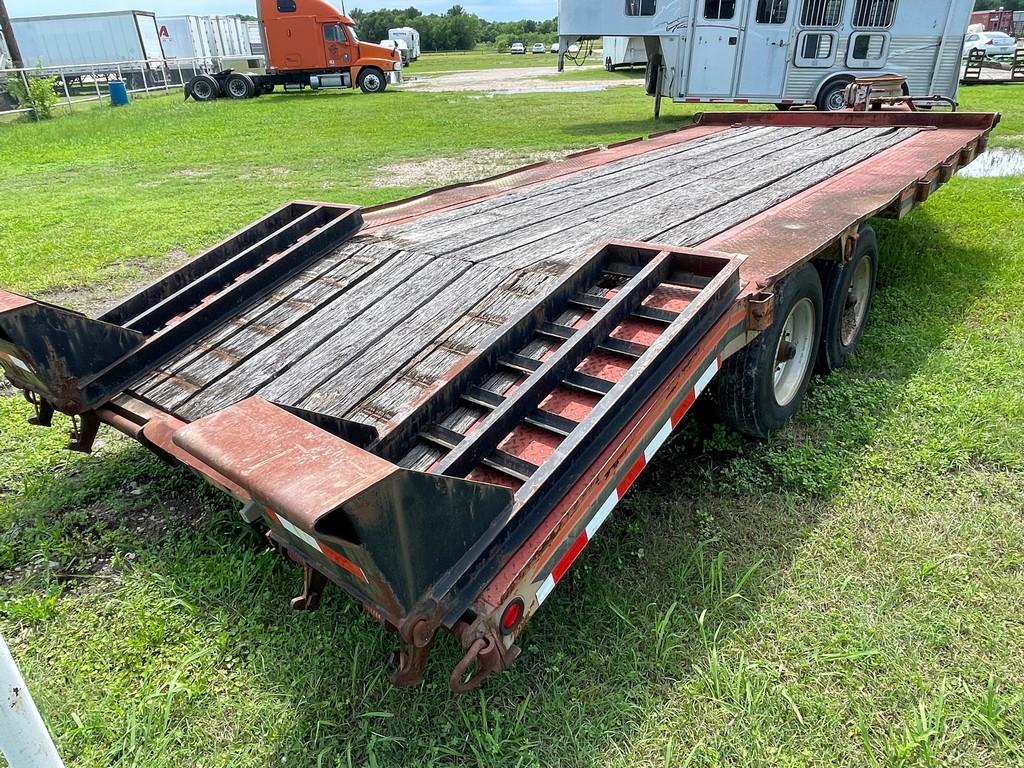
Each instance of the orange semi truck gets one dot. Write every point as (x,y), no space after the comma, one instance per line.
(308,43)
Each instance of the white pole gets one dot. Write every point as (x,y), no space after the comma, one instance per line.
(24,739)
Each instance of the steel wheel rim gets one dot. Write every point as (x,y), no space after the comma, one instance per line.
(372,82)
(855,309)
(202,89)
(237,88)
(794,351)
(836,101)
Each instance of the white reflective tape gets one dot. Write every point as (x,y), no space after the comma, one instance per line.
(705,378)
(658,441)
(298,533)
(602,514)
(545,589)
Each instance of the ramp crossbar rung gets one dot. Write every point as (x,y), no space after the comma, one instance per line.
(560,366)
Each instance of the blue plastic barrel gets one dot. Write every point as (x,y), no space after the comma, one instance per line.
(118,93)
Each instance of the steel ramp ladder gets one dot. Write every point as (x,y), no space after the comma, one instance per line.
(553,385)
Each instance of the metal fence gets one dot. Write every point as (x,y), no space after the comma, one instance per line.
(79,85)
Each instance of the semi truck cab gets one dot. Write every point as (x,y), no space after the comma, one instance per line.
(308,43)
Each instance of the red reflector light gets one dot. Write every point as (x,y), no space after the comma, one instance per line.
(512,615)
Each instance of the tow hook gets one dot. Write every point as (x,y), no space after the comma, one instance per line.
(484,656)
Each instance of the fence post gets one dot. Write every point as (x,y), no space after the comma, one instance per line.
(145,75)
(64,82)
(121,78)
(96,83)
(24,80)
(24,740)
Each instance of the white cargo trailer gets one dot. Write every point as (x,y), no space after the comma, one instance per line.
(202,43)
(624,52)
(411,37)
(786,52)
(256,45)
(87,44)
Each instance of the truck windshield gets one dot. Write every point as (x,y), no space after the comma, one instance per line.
(352,33)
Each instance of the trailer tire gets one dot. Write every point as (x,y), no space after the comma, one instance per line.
(849,290)
(203,87)
(758,390)
(832,96)
(239,86)
(372,80)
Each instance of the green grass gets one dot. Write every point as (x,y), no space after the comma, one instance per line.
(431,63)
(847,593)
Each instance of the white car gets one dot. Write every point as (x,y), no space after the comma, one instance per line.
(992,43)
(554,47)
(517,48)
(538,48)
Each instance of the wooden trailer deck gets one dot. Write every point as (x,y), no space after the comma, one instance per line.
(367,330)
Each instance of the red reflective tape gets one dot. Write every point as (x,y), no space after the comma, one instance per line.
(631,476)
(345,563)
(680,412)
(569,557)
(742,101)
(272,516)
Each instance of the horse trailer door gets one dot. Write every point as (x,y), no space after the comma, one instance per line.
(765,49)
(715,49)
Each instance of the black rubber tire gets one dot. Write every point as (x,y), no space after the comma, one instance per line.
(836,279)
(826,101)
(204,88)
(239,86)
(746,386)
(372,80)
(608,66)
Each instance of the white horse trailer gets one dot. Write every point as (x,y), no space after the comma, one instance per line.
(624,52)
(411,38)
(786,52)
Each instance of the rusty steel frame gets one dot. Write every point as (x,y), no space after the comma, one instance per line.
(775,243)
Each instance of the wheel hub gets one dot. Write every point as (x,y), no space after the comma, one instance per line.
(794,352)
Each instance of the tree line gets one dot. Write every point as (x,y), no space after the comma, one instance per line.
(454,30)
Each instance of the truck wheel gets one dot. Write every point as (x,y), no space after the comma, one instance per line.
(762,386)
(832,98)
(372,80)
(849,290)
(204,88)
(239,86)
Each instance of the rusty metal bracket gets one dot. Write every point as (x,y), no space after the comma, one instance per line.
(760,311)
(83,433)
(44,410)
(416,640)
(313,583)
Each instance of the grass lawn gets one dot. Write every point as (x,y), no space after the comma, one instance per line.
(430,63)
(850,592)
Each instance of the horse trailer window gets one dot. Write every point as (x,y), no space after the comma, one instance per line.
(874,14)
(816,49)
(772,11)
(868,50)
(640,7)
(821,13)
(719,9)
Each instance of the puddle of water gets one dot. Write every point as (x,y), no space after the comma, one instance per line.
(996,162)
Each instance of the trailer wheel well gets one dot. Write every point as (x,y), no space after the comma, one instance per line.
(827,89)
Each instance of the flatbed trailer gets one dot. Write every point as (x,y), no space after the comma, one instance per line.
(436,403)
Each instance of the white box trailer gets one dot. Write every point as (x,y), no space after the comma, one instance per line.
(411,37)
(624,52)
(194,44)
(86,44)
(256,45)
(786,52)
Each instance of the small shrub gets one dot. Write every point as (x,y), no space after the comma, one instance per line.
(39,95)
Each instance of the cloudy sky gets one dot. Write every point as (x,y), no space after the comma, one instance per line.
(488,9)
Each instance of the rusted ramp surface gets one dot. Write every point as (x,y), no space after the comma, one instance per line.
(364,332)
